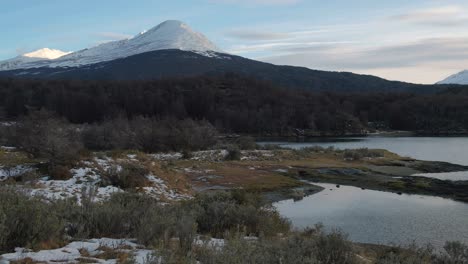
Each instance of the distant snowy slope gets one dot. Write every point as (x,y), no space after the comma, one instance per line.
(459,78)
(38,57)
(46,53)
(171,34)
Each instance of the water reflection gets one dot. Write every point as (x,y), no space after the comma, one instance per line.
(381,217)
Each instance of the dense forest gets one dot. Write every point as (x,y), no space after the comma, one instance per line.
(234,104)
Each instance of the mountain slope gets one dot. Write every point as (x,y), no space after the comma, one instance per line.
(458,78)
(173,49)
(171,34)
(178,63)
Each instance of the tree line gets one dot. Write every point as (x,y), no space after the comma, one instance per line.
(232,103)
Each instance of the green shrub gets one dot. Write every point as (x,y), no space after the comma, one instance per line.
(246,143)
(59,172)
(26,221)
(359,154)
(223,211)
(127,176)
(233,153)
(295,249)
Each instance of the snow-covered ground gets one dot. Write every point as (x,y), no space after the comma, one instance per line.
(88,251)
(87,179)
(6,173)
(84,180)
(215,155)
(93,251)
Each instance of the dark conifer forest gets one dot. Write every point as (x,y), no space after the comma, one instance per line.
(235,104)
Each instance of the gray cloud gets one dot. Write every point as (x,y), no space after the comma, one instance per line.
(441,56)
(441,16)
(251,35)
(264,35)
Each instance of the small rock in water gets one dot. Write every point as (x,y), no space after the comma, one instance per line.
(337,186)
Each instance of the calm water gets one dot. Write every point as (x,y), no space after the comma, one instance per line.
(452,176)
(449,149)
(381,217)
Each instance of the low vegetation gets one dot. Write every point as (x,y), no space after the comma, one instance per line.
(251,230)
(126,176)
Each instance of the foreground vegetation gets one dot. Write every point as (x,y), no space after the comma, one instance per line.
(172,229)
(252,230)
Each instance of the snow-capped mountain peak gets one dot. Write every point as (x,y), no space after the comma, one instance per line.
(174,34)
(458,78)
(32,59)
(46,53)
(171,34)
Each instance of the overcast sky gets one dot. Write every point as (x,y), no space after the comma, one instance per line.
(420,41)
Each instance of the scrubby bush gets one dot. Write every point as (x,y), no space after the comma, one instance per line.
(454,253)
(126,176)
(118,217)
(43,135)
(30,222)
(59,172)
(295,249)
(359,154)
(238,212)
(246,143)
(233,153)
(149,134)
(187,154)
(26,222)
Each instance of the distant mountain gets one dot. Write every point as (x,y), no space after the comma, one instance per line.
(171,34)
(458,78)
(42,55)
(46,53)
(178,63)
(173,49)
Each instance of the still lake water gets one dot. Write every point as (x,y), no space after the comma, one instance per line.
(381,217)
(449,149)
(387,218)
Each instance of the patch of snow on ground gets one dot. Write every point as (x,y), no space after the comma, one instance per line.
(6,173)
(214,243)
(256,154)
(72,253)
(132,157)
(167,156)
(210,155)
(160,189)
(8,148)
(87,180)
(83,180)
(7,124)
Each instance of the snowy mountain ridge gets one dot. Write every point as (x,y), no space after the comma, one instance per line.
(46,53)
(171,34)
(458,78)
(41,56)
